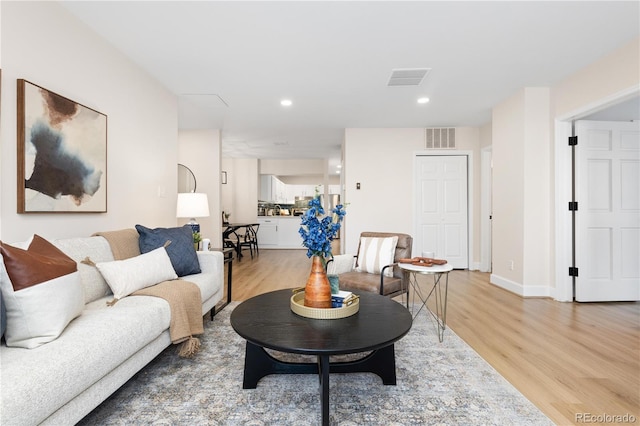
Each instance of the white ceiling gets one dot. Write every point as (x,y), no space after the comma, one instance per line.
(231,63)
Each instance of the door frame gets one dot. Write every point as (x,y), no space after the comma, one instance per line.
(563,225)
(486,166)
(471,265)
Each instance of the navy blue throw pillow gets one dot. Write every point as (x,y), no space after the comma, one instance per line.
(181,251)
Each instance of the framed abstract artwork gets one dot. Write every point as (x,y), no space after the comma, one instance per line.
(62,154)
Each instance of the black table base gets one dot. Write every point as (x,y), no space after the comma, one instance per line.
(268,324)
(258,363)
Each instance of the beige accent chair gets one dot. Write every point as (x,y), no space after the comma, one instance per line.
(351,280)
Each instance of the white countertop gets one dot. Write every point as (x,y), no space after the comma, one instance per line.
(279,217)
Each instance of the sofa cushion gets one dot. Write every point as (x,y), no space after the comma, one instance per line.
(181,251)
(42,292)
(359,281)
(37,382)
(98,250)
(375,253)
(129,275)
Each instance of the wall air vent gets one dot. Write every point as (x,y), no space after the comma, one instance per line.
(407,76)
(441,138)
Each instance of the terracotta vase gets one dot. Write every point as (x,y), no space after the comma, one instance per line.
(317,292)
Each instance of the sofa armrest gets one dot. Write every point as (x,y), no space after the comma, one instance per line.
(341,264)
(210,261)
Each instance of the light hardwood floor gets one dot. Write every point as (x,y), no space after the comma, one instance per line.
(569,359)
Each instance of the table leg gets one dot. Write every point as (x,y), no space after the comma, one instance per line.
(440,316)
(381,362)
(258,364)
(441,304)
(413,282)
(228,260)
(229,273)
(323,366)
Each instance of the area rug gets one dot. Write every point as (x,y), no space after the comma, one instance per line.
(437,384)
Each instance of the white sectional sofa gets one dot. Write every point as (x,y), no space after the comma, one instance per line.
(60,382)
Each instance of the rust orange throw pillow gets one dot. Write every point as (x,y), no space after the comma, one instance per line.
(41,290)
(41,262)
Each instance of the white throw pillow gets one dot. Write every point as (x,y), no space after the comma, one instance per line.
(38,309)
(39,314)
(375,253)
(129,275)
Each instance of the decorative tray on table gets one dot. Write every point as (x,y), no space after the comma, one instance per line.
(297,306)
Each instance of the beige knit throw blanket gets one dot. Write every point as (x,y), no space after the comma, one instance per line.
(183,296)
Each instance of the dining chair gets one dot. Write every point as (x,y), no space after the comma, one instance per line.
(249,238)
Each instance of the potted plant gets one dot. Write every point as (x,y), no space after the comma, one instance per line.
(196,240)
(317,233)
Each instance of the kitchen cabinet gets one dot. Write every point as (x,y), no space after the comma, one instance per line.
(293,191)
(303,190)
(279,233)
(288,236)
(275,191)
(310,190)
(272,189)
(279,191)
(265,188)
(268,233)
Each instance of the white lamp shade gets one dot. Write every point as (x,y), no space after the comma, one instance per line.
(192,205)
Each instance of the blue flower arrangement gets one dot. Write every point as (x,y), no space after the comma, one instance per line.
(317,233)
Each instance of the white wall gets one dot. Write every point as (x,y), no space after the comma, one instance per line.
(538,193)
(200,151)
(604,79)
(508,184)
(486,137)
(299,171)
(310,180)
(292,167)
(240,194)
(382,161)
(522,202)
(44,44)
(522,194)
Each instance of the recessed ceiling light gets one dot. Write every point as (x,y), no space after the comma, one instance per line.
(286,102)
(423,100)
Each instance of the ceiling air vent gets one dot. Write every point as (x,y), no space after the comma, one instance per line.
(441,138)
(407,76)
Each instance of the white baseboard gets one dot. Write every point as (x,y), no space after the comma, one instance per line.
(519,289)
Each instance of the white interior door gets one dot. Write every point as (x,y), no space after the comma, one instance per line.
(607,239)
(441,205)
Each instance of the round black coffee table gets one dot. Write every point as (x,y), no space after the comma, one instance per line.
(266,321)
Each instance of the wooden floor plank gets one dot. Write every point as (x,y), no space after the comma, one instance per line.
(569,359)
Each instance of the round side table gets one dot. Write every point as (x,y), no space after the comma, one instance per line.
(438,272)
